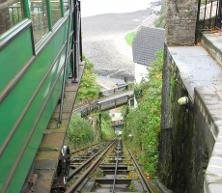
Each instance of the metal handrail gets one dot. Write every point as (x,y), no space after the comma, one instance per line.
(209,15)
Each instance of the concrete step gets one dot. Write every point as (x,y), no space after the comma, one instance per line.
(212,42)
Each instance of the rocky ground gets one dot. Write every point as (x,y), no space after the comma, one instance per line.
(105,24)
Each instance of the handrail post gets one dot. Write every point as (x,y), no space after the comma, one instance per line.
(26,9)
(197,22)
(49,14)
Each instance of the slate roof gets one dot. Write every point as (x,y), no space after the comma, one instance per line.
(146,43)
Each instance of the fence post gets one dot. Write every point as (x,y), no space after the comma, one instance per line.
(181,20)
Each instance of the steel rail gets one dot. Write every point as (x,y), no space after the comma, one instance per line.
(116,167)
(77,170)
(144,182)
(88,170)
(84,148)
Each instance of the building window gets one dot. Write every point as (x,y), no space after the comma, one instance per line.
(55,10)
(10,14)
(39,18)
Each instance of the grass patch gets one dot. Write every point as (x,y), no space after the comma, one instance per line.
(143,122)
(130,37)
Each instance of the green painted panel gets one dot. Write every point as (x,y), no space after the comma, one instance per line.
(24,166)
(14,104)
(21,135)
(23,91)
(10,61)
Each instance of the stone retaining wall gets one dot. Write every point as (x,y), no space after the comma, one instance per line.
(188,135)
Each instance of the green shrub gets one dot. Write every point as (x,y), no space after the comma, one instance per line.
(130,37)
(80,132)
(88,88)
(107,132)
(143,122)
(160,22)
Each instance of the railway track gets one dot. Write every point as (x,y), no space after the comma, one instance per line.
(80,162)
(107,168)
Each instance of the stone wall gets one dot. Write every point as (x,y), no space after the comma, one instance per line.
(209,101)
(181,18)
(176,132)
(190,158)
(203,142)
(188,132)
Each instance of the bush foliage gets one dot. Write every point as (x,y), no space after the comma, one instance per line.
(88,88)
(80,132)
(143,122)
(130,37)
(160,22)
(107,132)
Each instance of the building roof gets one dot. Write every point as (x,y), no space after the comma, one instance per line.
(146,43)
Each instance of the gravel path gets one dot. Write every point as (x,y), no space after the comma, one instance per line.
(104,42)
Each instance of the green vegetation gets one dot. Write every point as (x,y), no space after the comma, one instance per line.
(80,132)
(132,187)
(88,89)
(160,22)
(143,122)
(130,37)
(107,132)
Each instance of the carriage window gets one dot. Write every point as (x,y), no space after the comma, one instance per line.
(10,14)
(39,18)
(66,4)
(55,10)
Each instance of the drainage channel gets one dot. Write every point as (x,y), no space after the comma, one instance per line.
(113,169)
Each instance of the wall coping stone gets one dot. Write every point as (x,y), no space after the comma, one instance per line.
(212,42)
(196,68)
(213,174)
